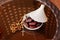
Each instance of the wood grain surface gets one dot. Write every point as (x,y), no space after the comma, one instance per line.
(56,2)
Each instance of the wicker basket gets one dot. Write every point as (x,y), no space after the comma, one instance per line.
(12,11)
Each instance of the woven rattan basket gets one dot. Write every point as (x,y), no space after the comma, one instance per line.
(13,10)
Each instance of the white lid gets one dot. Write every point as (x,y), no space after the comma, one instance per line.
(38,15)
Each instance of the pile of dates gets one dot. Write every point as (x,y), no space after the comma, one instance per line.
(29,22)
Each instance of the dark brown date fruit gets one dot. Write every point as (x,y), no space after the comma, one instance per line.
(31,23)
(28,20)
(32,26)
